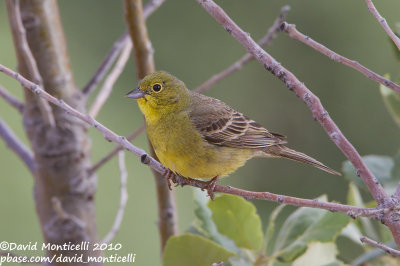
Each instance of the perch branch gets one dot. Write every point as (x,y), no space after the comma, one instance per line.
(111,79)
(167,215)
(318,111)
(115,50)
(266,40)
(296,35)
(123,198)
(388,250)
(17,146)
(383,23)
(26,53)
(115,151)
(14,102)
(154,164)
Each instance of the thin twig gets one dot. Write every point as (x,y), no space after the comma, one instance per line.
(111,79)
(14,102)
(115,50)
(314,104)
(154,164)
(21,258)
(296,35)
(31,65)
(123,199)
(266,40)
(106,64)
(388,250)
(17,146)
(144,60)
(111,154)
(383,23)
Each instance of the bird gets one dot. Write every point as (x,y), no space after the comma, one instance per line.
(200,137)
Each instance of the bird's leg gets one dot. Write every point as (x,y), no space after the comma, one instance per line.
(210,185)
(168,174)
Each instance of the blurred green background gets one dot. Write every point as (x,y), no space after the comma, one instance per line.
(191,45)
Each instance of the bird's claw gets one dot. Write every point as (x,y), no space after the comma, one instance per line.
(210,186)
(168,174)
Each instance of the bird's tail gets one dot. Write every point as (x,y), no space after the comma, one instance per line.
(285,152)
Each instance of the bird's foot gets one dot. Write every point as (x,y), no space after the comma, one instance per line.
(168,175)
(210,186)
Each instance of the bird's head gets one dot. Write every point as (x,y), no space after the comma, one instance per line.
(160,92)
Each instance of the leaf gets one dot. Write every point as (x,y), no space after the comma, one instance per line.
(206,224)
(380,166)
(237,219)
(396,168)
(269,233)
(392,100)
(189,249)
(307,225)
(318,254)
(352,232)
(363,223)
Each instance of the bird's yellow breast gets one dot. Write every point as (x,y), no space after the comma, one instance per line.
(181,148)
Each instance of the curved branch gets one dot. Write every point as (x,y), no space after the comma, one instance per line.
(296,35)
(17,146)
(14,102)
(123,198)
(383,23)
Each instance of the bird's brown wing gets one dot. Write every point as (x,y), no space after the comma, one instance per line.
(221,125)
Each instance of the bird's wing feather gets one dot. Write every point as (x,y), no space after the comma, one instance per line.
(221,125)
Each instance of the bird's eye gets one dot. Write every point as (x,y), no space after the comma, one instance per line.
(157,87)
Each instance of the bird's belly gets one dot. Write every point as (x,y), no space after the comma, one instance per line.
(202,160)
(185,152)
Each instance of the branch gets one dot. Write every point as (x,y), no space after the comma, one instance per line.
(155,165)
(115,50)
(17,146)
(111,79)
(134,16)
(106,64)
(383,23)
(314,104)
(115,151)
(30,62)
(123,199)
(266,40)
(312,101)
(296,35)
(388,250)
(14,102)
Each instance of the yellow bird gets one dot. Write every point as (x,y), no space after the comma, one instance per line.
(197,136)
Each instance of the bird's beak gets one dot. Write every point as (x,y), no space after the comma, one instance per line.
(136,94)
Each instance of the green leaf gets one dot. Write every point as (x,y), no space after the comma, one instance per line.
(392,101)
(237,219)
(304,226)
(396,168)
(380,166)
(364,224)
(269,233)
(318,254)
(205,223)
(189,249)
